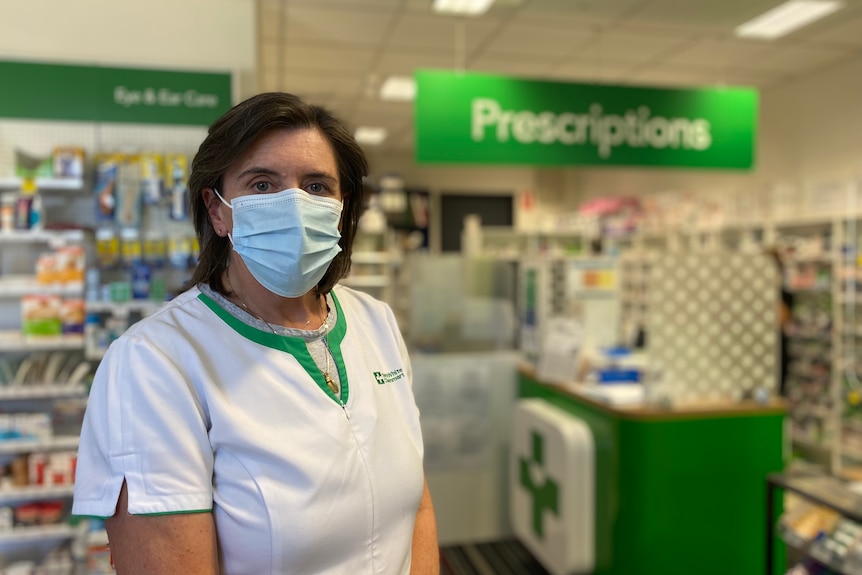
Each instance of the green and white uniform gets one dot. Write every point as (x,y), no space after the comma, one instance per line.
(199,411)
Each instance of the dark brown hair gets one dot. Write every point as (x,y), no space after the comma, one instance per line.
(231,135)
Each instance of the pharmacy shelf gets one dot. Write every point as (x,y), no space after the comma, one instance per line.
(21,285)
(14,495)
(38,534)
(53,237)
(39,391)
(14,341)
(60,443)
(71,184)
(124,308)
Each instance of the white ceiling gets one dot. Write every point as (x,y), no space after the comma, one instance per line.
(337,52)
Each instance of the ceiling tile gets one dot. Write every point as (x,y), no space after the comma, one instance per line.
(719,52)
(322,57)
(406,62)
(847,30)
(536,41)
(521,67)
(438,32)
(615,45)
(715,14)
(567,12)
(317,24)
(797,59)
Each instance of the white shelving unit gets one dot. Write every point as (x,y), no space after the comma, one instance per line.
(40,533)
(41,391)
(34,493)
(50,184)
(21,285)
(51,237)
(14,341)
(60,443)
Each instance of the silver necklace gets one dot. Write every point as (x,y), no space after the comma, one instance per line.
(326,377)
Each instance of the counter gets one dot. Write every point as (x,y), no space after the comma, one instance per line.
(678,491)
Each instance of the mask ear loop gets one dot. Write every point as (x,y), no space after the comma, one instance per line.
(219,196)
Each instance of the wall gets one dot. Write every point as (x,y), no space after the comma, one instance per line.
(217,35)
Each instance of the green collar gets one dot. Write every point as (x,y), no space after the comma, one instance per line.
(295,346)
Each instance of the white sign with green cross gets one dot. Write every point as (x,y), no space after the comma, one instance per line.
(552,487)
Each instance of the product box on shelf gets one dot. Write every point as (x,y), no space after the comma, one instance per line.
(41,315)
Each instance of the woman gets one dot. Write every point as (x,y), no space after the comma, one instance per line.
(263,422)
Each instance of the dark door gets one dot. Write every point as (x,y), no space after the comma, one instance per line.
(493,210)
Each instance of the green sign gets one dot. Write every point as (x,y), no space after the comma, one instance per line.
(104,94)
(477,118)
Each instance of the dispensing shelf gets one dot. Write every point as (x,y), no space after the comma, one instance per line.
(38,534)
(53,237)
(16,495)
(123,309)
(21,285)
(42,184)
(40,391)
(15,341)
(60,443)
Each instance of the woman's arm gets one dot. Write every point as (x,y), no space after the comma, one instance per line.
(162,544)
(426,552)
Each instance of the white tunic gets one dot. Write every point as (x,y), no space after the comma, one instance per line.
(199,411)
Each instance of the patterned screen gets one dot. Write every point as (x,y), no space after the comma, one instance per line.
(712,322)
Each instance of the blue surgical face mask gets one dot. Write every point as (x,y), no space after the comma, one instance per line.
(286,240)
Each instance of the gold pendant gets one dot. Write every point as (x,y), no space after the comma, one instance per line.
(330,383)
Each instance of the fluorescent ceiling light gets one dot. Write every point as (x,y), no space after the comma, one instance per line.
(472,7)
(787,17)
(371,135)
(400,88)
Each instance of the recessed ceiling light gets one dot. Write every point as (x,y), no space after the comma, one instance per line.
(787,17)
(398,88)
(371,135)
(472,7)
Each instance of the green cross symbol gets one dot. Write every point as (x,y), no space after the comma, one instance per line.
(544,496)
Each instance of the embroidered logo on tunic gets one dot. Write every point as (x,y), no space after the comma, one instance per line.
(388,377)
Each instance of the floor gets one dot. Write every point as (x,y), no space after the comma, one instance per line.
(508,557)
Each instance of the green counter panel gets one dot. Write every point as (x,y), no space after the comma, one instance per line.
(681,495)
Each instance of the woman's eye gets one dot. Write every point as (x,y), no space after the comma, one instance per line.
(261,187)
(316,188)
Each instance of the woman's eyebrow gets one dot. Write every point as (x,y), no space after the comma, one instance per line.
(256,170)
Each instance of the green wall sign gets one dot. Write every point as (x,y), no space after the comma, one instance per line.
(478,118)
(104,94)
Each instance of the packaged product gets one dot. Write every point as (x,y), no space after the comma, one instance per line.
(68,162)
(73,314)
(107,170)
(128,194)
(40,315)
(107,248)
(46,268)
(71,264)
(151,177)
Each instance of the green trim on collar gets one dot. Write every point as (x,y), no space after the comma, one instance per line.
(295,346)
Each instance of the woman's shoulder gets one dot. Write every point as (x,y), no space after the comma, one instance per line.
(174,312)
(352,300)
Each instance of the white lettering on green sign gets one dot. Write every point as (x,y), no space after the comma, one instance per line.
(164,97)
(636,128)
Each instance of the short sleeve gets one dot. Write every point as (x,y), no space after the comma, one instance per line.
(146,423)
